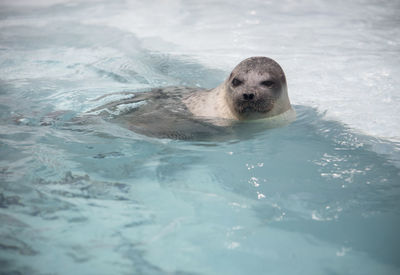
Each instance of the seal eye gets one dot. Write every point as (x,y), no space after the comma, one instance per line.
(236,82)
(268,83)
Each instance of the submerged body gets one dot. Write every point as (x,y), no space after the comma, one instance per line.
(161,113)
(256,90)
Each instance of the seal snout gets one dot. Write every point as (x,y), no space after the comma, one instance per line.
(248,96)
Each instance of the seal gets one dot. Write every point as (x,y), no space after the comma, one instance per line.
(256,91)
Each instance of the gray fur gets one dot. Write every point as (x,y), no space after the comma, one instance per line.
(251,73)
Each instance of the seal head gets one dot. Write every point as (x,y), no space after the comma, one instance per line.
(256,89)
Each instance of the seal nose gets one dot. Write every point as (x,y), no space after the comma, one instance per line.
(249,96)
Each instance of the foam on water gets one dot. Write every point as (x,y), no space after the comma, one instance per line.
(319,196)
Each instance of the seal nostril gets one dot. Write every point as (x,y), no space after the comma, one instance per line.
(248,96)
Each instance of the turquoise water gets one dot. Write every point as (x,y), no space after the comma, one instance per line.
(319,196)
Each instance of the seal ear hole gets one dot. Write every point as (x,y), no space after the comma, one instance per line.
(236,82)
(268,83)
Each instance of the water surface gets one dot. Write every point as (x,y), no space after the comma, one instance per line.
(319,196)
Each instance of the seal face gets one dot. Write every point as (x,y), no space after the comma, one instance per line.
(254,88)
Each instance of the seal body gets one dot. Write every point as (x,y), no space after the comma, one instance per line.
(161,113)
(256,90)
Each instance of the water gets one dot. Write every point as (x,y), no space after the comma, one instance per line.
(320,196)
